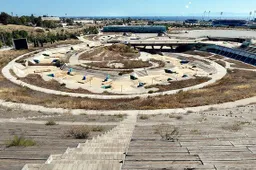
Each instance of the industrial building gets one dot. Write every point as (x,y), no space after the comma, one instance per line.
(135,29)
(231,22)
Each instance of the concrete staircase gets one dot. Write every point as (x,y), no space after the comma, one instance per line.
(105,152)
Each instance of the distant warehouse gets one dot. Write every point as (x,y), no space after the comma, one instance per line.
(135,29)
(230,22)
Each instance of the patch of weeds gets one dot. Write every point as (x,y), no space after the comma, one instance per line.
(92,119)
(50,123)
(212,109)
(9,109)
(79,132)
(189,111)
(167,132)
(179,117)
(119,116)
(151,92)
(236,126)
(175,117)
(20,142)
(144,117)
(98,129)
(195,131)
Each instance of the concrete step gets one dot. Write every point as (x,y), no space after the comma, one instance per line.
(167,166)
(103,152)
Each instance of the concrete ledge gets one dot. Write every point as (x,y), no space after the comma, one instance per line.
(30,107)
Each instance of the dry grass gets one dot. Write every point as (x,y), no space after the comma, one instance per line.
(20,141)
(237,126)
(179,84)
(240,64)
(167,132)
(110,53)
(200,53)
(144,117)
(79,132)
(217,57)
(175,117)
(222,63)
(225,90)
(127,64)
(37,80)
(50,123)
(10,28)
(83,132)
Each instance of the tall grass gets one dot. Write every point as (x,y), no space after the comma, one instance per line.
(20,141)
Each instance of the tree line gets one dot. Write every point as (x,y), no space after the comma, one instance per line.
(28,21)
(6,38)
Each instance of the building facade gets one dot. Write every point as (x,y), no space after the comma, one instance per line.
(135,29)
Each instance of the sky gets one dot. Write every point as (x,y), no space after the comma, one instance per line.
(128,7)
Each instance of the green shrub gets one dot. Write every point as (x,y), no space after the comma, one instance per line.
(144,117)
(151,91)
(20,141)
(98,129)
(79,132)
(167,132)
(50,123)
(120,116)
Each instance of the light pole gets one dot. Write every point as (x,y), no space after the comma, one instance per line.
(209,15)
(250,14)
(221,15)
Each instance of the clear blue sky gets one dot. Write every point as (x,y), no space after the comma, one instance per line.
(127,7)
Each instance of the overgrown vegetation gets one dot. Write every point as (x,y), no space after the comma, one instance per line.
(110,53)
(200,53)
(237,126)
(79,132)
(83,132)
(167,132)
(239,64)
(144,117)
(127,64)
(237,84)
(222,63)
(91,30)
(174,85)
(20,141)
(50,123)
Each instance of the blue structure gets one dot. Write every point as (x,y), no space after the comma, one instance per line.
(135,29)
(247,55)
(231,22)
(69,71)
(191,21)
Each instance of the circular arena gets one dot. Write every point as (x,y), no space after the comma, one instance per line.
(151,65)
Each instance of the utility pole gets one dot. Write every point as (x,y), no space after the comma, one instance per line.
(209,15)
(250,14)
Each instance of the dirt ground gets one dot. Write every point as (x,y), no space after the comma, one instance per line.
(239,64)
